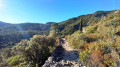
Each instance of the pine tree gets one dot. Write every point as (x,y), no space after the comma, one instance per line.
(81,25)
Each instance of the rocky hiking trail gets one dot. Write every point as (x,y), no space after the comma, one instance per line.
(63,56)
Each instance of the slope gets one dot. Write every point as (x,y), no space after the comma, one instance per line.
(99,46)
(71,25)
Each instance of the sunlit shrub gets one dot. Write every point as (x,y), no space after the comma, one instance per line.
(79,44)
(83,55)
(105,43)
(107,60)
(96,57)
(117,44)
(91,29)
(15,60)
(111,16)
(23,64)
(115,57)
(78,40)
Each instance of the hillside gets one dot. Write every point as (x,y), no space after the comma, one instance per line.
(2,24)
(99,45)
(14,33)
(66,45)
(27,30)
(71,25)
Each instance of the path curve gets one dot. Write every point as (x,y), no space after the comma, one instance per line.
(63,56)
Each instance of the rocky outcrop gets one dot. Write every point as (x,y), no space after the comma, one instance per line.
(61,57)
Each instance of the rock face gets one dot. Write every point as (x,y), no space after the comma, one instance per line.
(63,56)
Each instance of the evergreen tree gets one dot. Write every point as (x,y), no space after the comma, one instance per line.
(81,25)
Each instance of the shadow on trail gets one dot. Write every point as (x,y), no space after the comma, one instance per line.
(61,54)
(58,53)
(70,56)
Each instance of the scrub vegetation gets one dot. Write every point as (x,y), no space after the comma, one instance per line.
(30,45)
(99,45)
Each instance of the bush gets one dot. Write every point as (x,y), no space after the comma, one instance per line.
(5,53)
(83,55)
(36,50)
(78,41)
(23,64)
(91,29)
(15,60)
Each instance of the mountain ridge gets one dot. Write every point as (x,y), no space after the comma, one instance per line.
(27,30)
(71,25)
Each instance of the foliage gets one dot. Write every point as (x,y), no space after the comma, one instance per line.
(23,64)
(4,54)
(28,52)
(36,50)
(71,25)
(15,60)
(91,29)
(99,46)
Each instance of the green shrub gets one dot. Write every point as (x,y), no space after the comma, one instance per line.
(15,60)
(91,29)
(23,64)
(83,55)
(79,44)
(39,48)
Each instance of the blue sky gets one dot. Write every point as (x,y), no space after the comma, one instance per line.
(42,11)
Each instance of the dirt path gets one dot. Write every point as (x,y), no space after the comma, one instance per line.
(66,45)
(63,56)
(69,54)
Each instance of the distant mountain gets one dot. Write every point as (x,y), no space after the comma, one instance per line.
(2,24)
(14,33)
(27,26)
(50,22)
